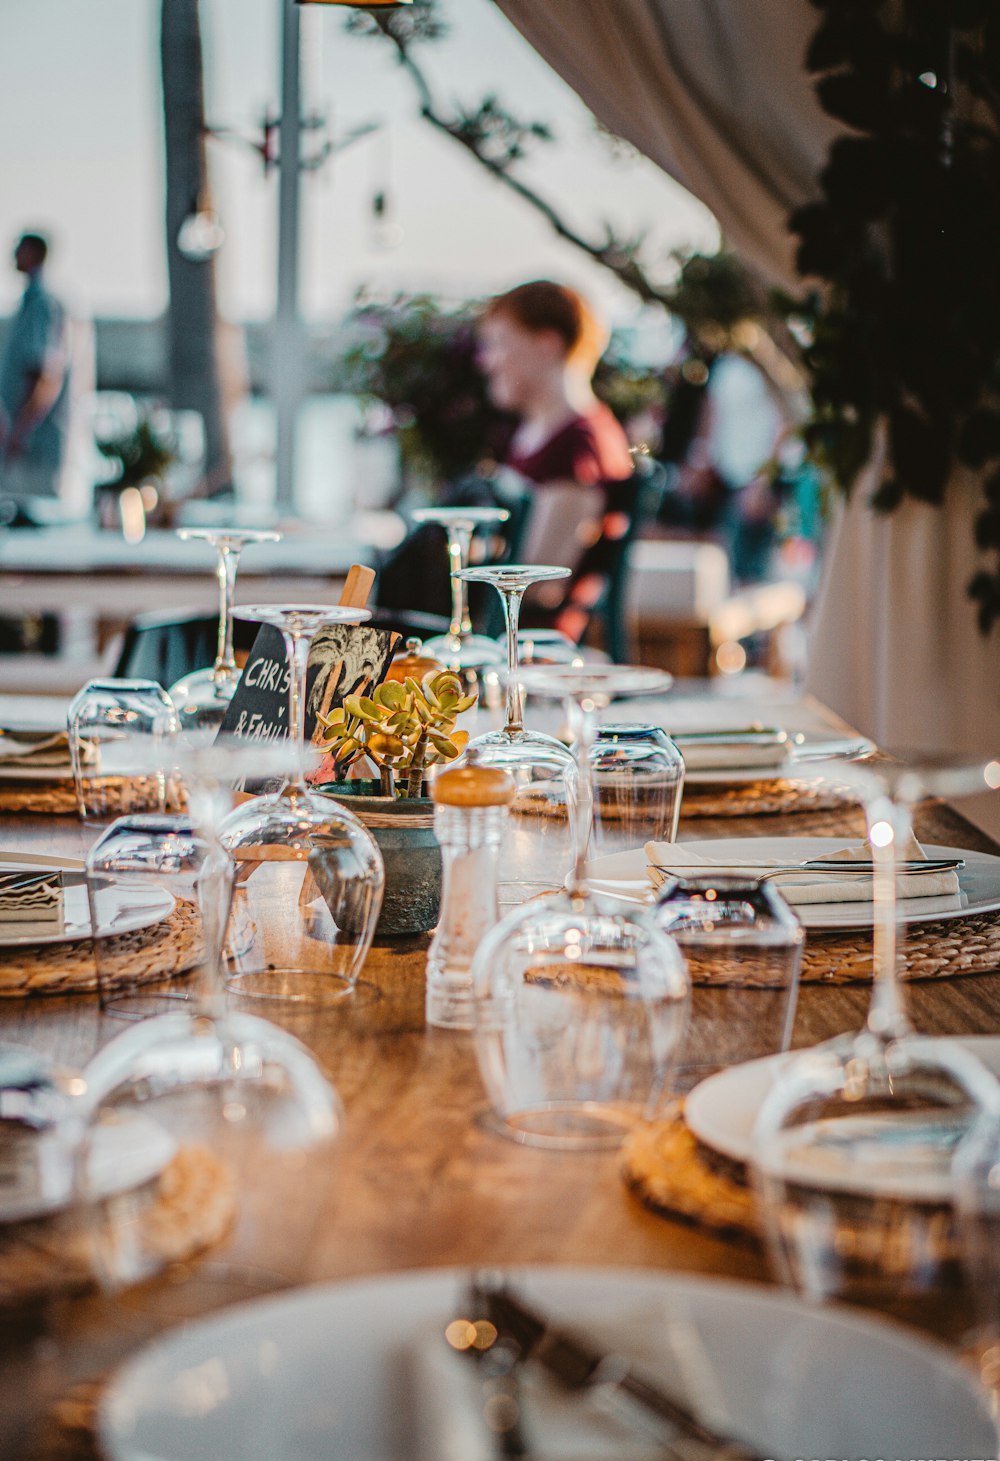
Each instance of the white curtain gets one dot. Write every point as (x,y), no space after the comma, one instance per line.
(715,92)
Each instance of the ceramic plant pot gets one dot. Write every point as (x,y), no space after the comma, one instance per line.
(404,831)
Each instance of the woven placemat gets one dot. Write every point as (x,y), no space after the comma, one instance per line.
(937,950)
(186,1209)
(674,1175)
(762,798)
(57,798)
(163,951)
(40,798)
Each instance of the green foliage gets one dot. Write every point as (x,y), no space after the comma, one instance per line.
(141,454)
(907,331)
(403,727)
(417,357)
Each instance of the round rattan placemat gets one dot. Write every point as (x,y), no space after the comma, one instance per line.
(163,951)
(761,798)
(939,949)
(674,1175)
(57,798)
(190,1207)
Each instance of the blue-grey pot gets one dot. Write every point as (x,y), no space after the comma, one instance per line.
(404,831)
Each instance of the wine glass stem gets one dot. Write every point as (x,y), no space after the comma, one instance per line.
(511,600)
(215,890)
(886,1014)
(459,546)
(582,716)
(297,646)
(225,660)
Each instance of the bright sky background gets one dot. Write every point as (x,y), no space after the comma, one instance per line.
(82,160)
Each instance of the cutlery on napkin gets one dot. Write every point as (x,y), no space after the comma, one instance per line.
(668,859)
(21,748)
(733,750)
(31,900)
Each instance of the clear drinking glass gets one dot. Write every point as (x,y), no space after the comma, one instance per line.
(202,697)
(638,776)
(460,648)
(853,1145)
(112,725)
(579,1006)
(541,835)
(222,1124)
(976,1179)
(743,948)
(310,877)
(142,885)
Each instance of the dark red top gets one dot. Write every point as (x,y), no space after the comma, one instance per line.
(590,450)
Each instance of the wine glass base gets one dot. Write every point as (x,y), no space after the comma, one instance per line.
(141,1004)
(291,986)
(569,1126)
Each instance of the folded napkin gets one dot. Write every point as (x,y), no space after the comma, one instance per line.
(30,899)
(27,748)
(804,886)
(732,753)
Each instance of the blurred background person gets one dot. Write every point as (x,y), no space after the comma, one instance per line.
(539,345)
(34,384)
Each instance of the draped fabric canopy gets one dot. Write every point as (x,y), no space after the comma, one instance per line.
(716,93)
(713,91)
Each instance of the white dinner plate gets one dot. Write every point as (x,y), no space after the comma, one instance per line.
(332,1374)
(36,773)
(129,908)
(623,875)
(807,749)
(722,1109)
(126,1154)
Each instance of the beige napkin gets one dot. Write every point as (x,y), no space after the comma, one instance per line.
(734,755)
(801,887)
(31,899)
(19,749)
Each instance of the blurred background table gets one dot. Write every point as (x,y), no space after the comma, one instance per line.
(95,583)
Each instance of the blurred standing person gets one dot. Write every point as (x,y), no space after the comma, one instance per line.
(539,345)
(34,383)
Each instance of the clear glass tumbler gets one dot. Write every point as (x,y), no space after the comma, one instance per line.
(638,776)
(743,947)
(113,726)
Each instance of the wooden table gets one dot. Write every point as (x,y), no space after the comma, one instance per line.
(422,1181)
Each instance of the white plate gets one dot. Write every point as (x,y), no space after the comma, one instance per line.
(130,908)
(127,1154)
(721,1112)
(326,1374)
(623,875)
(804,754)
(36,773)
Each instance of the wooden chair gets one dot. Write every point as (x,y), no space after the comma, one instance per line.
(595,592)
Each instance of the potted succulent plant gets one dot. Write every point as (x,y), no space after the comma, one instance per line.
(396,735)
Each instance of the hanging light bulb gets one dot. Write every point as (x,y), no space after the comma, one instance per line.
(200,235)
(386,233)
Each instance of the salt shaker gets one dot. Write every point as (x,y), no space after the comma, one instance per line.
(470,811)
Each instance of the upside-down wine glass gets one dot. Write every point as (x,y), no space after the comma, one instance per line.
(461,649)
(579,1004)
(202,697)
(310,877)
(218,1114)
(853,1144)
(541,835)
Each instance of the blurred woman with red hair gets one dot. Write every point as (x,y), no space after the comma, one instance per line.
(539,345)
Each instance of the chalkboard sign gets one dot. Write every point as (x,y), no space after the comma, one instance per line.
(344,659)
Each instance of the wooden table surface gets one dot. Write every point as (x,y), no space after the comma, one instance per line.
(421,1179)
